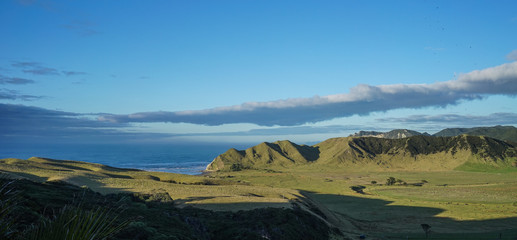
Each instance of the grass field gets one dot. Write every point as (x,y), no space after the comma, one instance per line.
(454,203)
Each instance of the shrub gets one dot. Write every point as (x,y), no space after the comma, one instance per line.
(358,189)
(373,182)
(77,223)
(208,182)
(8,201)
(162,197)
(390,181)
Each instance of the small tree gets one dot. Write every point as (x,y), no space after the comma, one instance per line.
(390,181)
(426,228)
(374,182)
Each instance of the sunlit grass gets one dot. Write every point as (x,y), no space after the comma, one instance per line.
(446,199)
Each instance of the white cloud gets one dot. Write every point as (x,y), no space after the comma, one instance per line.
(361,100)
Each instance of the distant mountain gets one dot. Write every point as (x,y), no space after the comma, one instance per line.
(372,153)
(393,134)
(508,133)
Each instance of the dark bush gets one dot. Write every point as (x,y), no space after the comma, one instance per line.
(162,197)
(390,181)
(358,189)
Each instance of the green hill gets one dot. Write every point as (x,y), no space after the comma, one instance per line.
(413,153)
(280,153)
(508,133)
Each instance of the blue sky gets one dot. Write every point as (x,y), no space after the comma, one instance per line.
(252,71)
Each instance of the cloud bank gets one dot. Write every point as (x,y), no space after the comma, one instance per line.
(33,124)
(361,100)
(19,118)
(464,120)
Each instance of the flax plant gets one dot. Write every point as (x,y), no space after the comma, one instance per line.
(8,200)
(75,223)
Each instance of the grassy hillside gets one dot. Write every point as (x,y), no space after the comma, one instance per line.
(508,133)
(414,153)
(152,216)
(280,153)
(457,204)
(187,190)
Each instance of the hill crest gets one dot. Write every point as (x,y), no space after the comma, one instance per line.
(508,133)
(393,134)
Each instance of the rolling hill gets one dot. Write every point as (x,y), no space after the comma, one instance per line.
(500,132)
(418,152)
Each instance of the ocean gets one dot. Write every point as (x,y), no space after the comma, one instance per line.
(186,159)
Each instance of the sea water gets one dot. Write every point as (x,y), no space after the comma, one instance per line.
(186,158)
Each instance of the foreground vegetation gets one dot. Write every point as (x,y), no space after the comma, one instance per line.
(58,210)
